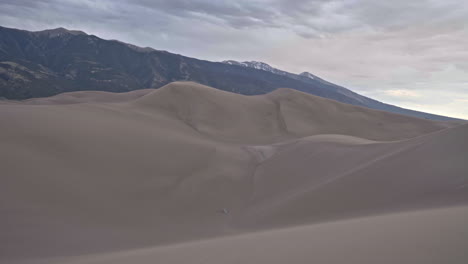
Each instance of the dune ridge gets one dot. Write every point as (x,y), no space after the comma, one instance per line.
(281,114)
(109,173)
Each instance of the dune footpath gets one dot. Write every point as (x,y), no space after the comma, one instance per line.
(91,177)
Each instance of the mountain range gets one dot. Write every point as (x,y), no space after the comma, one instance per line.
(49,62)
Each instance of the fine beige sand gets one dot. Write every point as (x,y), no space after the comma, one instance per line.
(198,175)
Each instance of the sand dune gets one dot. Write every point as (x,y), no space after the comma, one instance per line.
(107,173)
(421,237)
(355,178)
(83,97)
(282,114)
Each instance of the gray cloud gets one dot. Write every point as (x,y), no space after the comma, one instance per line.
(410,53)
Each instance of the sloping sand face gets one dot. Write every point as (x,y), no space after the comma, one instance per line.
(420,237)
(107,173)
(315,179)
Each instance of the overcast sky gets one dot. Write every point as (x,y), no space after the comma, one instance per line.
(409,53)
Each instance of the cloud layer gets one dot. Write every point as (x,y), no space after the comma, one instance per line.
(389,50)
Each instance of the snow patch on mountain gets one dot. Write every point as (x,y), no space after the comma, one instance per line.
(265,67)
(308,75)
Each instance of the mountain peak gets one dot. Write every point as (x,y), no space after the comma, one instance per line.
(256,65)
(308,75)
(266,67)
(59,32)
(251,64)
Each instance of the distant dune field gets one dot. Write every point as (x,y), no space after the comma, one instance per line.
(190,174)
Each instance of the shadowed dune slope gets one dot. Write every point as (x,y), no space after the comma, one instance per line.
(83,177)
(422,237)
(314,179)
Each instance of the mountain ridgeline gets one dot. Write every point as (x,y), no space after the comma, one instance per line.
(49,62)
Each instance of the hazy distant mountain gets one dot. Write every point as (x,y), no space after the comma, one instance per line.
(45,63)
